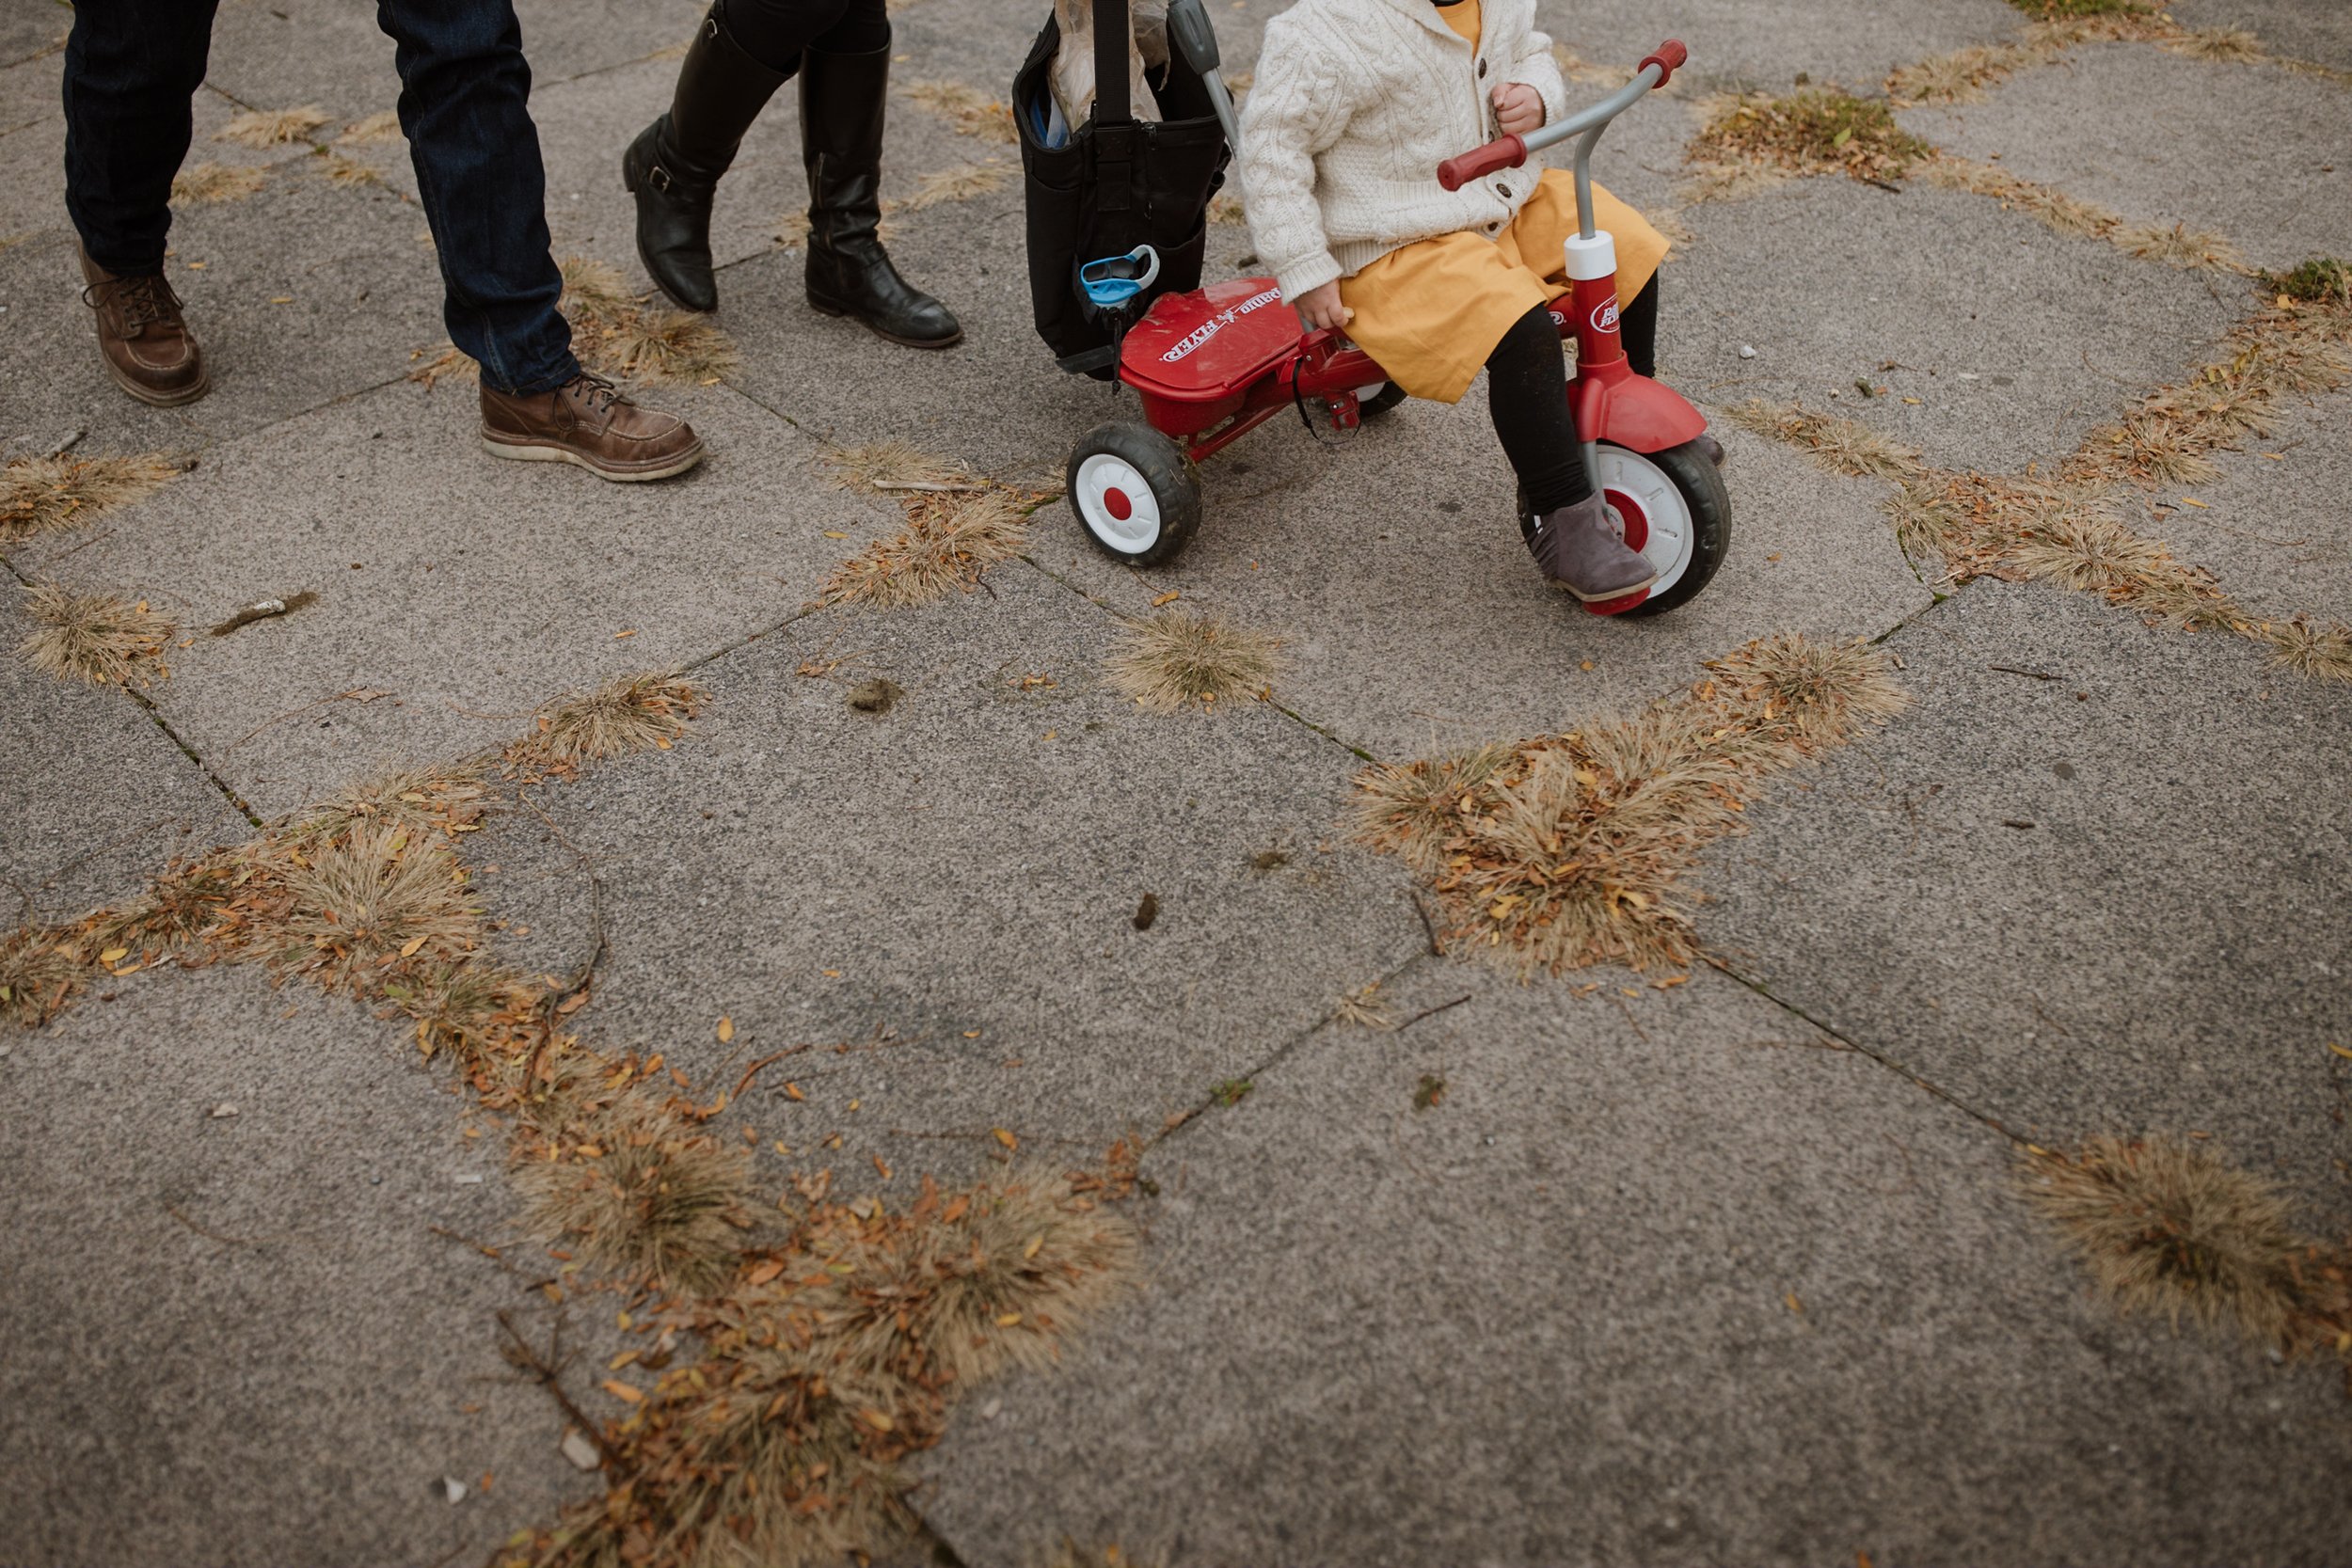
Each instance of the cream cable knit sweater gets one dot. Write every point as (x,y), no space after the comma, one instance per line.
(1355,105)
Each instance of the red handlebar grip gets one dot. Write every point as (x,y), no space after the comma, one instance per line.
(1671,57)
(1504,153)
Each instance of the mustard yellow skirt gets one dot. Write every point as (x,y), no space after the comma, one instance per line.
(1432,310)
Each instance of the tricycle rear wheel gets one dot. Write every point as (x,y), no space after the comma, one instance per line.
(1135,492)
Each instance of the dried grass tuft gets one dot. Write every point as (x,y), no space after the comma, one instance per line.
(347,173)
(2052,209)
(2179,246)
(888,467)
(380,127)
(831,1360)
(1812,131)
(612,332)
(95,638)
(1574,849)
(2166,1225)
(380,895)
(2216,43)
(1840,445)
(1959,77)
(2321,650)
(39,494)
(432,364)
(949,542)
(642,1191)
(203,183)
(272,127)
(961,184)
(40,973)
(626,715)
(967,110)
(1364,1008)
(1177,659)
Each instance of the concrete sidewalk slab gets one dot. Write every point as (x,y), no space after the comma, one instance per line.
(240,1337)
(2273,528)
(1673,1284)
(2015,340)
(2102,903)
(301,293)
(464,590)
(2255,152)
(950,889)
(94,795)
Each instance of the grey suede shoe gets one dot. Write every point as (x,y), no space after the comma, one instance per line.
(1582,547)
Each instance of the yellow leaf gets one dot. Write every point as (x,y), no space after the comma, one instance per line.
(1007,1138)
(834,534)
(620,1390)
(1794,1304)
(621,1360)
(2192,501)
(592,1152)
(792,1091)
(1030,1251)
(764,1272)
(281,299)
(2340,1050)
(409,948)
(1169,597)
(112,953)
(1009,1319)
(726,1030)
(618,634)
(876,1419)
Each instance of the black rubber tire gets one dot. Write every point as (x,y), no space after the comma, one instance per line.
(1163,467)
(1388,397)
(1703,491)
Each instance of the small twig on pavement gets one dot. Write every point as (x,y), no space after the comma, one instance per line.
(551,1378)
(1430,1012)
(2029,675)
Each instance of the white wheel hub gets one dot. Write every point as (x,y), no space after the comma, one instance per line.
(1653,508)
(1115,503)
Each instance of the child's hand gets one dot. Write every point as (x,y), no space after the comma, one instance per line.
(1519,108)
(1321,308)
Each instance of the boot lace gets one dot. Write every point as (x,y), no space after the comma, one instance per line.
(145,301)
(597,393)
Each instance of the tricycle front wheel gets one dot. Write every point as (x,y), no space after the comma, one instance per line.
(1676,511)
(1135,491)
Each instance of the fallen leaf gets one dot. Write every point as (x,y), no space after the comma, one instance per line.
(620,1390)
(883,1169)
(114,954)
(581,1452)
(409,948)
(1005,1138)
(764,1272)
(2192,501)
(618,634)
(726,1030)
(792,1091)
(1169,597)
(876,1419)
(1794,1304)
(2340,1050)
(1009,1319)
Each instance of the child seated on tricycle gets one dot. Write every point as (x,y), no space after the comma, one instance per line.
(1355,105)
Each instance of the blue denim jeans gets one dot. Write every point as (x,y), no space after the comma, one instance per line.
(133,66)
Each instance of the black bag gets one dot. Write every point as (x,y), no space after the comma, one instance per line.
(1119,183)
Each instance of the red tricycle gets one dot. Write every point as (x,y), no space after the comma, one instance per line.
(1215,363)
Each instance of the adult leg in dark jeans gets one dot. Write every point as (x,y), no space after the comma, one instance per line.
(130,68)
(464,97)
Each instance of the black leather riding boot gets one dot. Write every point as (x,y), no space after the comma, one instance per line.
(673,165)
(842,108)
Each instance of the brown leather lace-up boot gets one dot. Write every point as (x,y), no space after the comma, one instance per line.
(588,421)
(145,343)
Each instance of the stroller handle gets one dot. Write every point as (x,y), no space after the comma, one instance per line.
(1511,151)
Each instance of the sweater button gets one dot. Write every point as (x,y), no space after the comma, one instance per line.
(1482,68)
(1503,191)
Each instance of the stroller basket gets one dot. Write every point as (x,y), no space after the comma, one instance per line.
(1099,193)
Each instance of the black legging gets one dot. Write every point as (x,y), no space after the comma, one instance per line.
(1527,379)
(773,32)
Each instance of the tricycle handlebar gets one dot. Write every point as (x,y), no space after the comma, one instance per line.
(1511,151)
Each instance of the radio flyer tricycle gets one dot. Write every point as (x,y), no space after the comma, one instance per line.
(1213,363)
